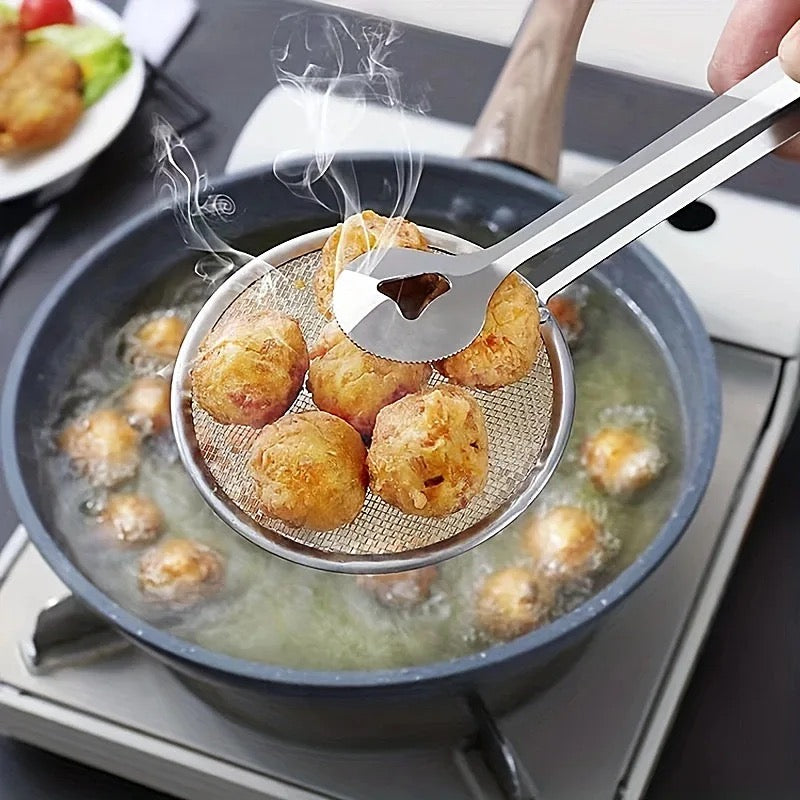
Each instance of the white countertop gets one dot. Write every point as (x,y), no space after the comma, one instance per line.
(669,40)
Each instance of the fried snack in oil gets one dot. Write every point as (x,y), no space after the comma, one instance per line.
(510,603)
(250,370)
(507,345)
(400,589)
(354,237)
(134,519)
(566,542)
(159,339)
(40,100)
(430,452)
(147,402)
(355,385)
(620,461)
(103,446)
(310,470)
(180,572)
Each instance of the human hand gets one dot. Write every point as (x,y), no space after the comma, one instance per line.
(755,32)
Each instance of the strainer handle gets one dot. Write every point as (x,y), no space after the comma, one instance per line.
(730,133)
(523,119)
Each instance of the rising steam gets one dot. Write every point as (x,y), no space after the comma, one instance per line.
(320,56)
(178,177)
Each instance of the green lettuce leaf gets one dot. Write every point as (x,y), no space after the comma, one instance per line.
(7,13)
(103,57)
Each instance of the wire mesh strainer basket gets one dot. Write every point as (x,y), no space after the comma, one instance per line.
(528,425)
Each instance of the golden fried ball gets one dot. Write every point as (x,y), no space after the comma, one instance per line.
(40,96)
(354,237)
(511,602)
(567,313)
(566,542)
(12,45)
(160,338)
(250,370)
(180,572)
(430,452)
(147,402)
(400,589)
(103,446)
(310,470)
(506,348)
(133,518)
(621,460)
(355,385)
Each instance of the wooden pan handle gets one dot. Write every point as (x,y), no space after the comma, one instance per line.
(523,119)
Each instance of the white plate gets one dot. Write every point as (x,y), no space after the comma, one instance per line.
(99,125)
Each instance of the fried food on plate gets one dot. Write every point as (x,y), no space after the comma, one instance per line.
(310,469)
(430,452)
(354,237)
(40,99)
(11,45)
(355,385)
(507,345)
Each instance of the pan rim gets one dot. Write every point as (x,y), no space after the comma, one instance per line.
(203,660)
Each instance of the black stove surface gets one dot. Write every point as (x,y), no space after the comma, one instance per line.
(738,730)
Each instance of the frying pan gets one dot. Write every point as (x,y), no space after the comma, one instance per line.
(515,150)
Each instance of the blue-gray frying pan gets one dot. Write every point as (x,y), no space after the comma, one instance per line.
(514,155)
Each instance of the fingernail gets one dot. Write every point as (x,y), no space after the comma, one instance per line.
(789,52)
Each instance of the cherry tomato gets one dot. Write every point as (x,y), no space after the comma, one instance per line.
(39,13)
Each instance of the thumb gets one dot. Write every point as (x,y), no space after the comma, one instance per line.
(789,52)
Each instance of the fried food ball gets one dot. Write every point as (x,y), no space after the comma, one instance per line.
(103,446)
(180,572)
(134,519)
(567,312)
(621,460)
(250,370)
(147,401)
(430,452)
(400,589)
(506,347)
(310,470)
(40,99)
(355,385)
(566,542)
(11,44)
(354,237)
(511,602)
(50,64)
(160,338)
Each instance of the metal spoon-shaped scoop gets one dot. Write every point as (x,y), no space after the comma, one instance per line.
(412,306)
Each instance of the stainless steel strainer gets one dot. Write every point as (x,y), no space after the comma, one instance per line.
(528,424)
